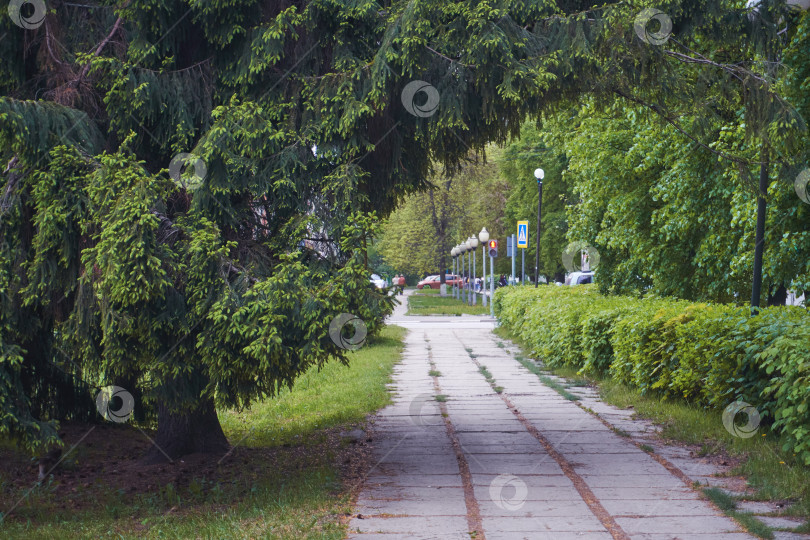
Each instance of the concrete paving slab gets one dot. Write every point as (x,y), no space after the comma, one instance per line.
(532,508)
(411,536)
(692,536)
(420,468)
(442,526)
(454,506)
(655,493)
(410,493)
(414,480)
(533,492)
(617,468)
(582,523)
(618,447)
(757,507)
(504,449)
(785,535)
(677,525)
(632,480)
(781,522)
(556,535)
(658,507)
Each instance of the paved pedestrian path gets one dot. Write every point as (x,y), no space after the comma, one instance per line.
(500,455)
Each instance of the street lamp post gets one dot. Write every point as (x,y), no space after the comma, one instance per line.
(467,247)
(460,285)
(539,174)
(491,287)
(474,249)
(463,291)
(458,270)
(453,255)
(483,237)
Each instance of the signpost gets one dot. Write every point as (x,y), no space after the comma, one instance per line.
(510,248)
(513,254)
(523,243)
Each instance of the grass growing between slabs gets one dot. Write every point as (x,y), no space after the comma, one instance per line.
(772,474)
(545,379)
(728,504)
(430,303)
(289,476)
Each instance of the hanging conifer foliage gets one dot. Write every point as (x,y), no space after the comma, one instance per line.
(189,187)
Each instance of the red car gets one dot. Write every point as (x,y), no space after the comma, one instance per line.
(432,282)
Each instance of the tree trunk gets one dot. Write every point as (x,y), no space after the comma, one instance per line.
(778,298)
(442,269)
(129,382)
(187,432)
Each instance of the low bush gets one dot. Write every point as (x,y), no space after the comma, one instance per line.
(707,354)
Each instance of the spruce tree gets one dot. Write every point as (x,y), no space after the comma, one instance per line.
(190,187)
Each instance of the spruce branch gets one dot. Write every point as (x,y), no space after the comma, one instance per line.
(453,60)
(97,52)
(736,70)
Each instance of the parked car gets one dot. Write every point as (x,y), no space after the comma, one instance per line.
(434,282)
(378,282)
(579,278)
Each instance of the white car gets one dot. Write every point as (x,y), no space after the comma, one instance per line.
(579,278)
(378,282)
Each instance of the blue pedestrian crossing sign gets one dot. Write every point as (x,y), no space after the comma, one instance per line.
(523,234)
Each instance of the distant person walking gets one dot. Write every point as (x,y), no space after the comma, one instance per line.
(400,284)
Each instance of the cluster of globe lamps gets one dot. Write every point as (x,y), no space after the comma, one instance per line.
(468,267)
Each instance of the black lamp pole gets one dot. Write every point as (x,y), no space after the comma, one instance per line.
(759,247)
(537,238)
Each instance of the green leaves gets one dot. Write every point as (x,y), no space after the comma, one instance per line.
(295,110)
(669,216)
(708,354)
(126,257)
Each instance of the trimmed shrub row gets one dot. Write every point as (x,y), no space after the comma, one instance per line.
(708,354)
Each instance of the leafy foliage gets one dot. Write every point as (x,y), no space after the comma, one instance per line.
(418,236)
(669,216)
(519,161)
(224,292)
(708,354)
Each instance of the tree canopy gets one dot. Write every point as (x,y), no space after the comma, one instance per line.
(418,236)
(214,282)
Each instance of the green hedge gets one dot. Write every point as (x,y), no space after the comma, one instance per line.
(708,354)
